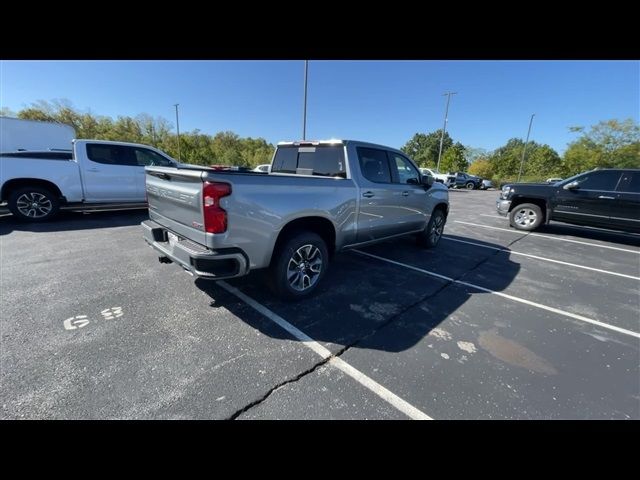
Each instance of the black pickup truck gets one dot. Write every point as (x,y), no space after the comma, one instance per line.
(605,198)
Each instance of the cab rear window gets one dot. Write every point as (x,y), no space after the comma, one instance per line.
(325,161)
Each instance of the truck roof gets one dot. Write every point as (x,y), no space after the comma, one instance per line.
(336,141)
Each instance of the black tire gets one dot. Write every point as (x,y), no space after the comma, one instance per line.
(283,280)
(526,217)
(469,185)
(33,204)
(432,233)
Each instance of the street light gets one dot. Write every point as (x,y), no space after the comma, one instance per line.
(525,147)
(444,128)
(304,112)
(178,128)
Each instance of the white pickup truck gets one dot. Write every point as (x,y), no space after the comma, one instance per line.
(443,178)
(92,175)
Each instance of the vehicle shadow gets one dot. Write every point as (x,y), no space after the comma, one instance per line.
(69,220)
(589,233)
(364,302)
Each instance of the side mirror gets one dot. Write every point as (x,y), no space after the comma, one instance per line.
(572,185)
(426,180)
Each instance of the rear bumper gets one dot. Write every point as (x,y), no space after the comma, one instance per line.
(502,206)
(196,259)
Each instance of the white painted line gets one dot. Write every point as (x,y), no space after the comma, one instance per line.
(510,297)
(542,258)
(387,395)
(637,252)
(493,216)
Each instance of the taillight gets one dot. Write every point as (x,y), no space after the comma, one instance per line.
(215,218)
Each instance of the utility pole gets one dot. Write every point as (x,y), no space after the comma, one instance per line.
(304,113)
(524,150)
(444,128)
(178,128)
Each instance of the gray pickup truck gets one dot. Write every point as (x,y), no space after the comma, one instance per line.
(319,198)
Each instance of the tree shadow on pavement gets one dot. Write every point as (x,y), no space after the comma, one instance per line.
(360,295)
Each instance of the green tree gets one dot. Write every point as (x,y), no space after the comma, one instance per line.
(540,160)
(195,147)
(454,160)
(610,143)
(482,167)
(424,148)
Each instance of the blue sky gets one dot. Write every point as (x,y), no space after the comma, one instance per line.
(379,101)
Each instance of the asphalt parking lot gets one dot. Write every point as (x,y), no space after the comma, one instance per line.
(491,324)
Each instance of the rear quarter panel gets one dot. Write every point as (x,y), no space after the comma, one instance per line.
(261,205)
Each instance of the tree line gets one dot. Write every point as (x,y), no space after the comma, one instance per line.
(223,148)
(611,143)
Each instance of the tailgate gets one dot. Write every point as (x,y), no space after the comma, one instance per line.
(175,200)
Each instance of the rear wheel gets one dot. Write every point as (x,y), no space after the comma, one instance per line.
(33,204)
(299,265)
(526,216)
(432,233)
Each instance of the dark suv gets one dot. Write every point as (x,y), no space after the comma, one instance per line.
(606,198)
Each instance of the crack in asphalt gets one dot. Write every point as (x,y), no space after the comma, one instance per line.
(380,327)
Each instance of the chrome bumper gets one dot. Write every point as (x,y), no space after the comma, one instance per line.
(502,206)
(196,259)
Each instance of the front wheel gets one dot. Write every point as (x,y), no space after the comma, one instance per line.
(432,233)
(299,265)
(526,216)
(470,186)
(33,204)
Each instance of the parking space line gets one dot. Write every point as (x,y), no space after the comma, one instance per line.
(637,252)
(510,297)
(387,395)
(542,258)
(492,216)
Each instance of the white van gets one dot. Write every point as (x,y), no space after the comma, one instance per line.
(17,135)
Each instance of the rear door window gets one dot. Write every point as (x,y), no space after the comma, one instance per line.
(321,160)
(111,154)
(374,165)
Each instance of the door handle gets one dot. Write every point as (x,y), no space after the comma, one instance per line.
(92,170)
(405,193)
(607,197)
(368,194)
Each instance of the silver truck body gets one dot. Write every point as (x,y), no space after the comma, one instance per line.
(348,211)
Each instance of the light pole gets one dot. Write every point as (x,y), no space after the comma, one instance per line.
(304,112)
(178,128)
(524,150)
(444,128)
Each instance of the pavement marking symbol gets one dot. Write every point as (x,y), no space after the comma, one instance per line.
(519,232)
(501,249)
(111,313)
(80,321)
(387,395)
(504,295)
(73,323)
